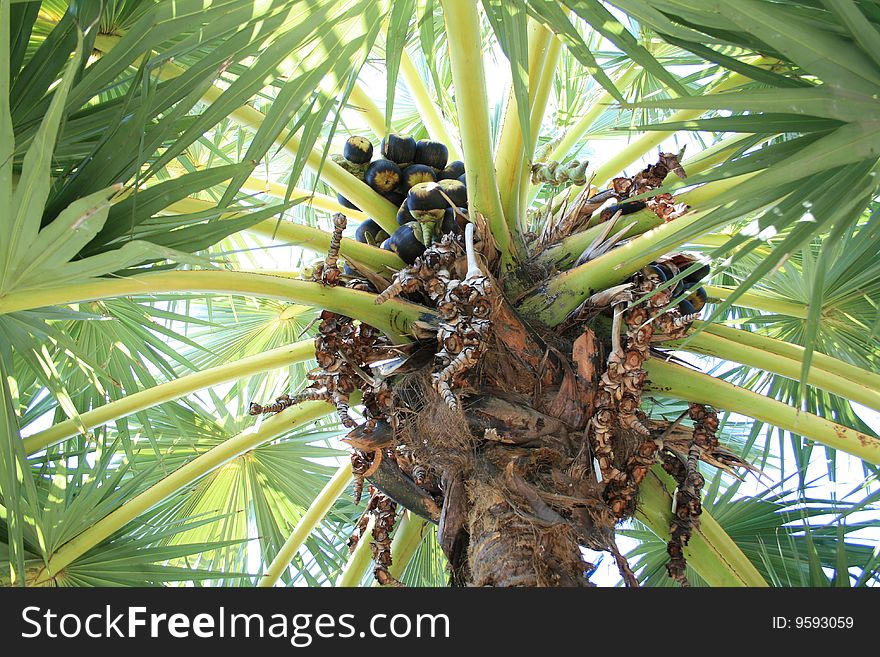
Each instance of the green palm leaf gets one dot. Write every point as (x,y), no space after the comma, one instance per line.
(164,183)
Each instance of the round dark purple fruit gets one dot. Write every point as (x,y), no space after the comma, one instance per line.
(453,170)
(698,299)
(627,207)
(404,216)
(406,242)
(685,307)
(369,232)
(453,222)
(657,271)
(399,148)
(431,153)
(696,276)
(425,197)
(417,173)
(395,197)
(667,272)
(383,176)
(456,191)
(678,290)
(344,202)
(358,150)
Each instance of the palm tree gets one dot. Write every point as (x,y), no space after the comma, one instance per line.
(156,154)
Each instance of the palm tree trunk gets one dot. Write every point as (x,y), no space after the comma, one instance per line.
(508,549)
(511,514)
(519,497)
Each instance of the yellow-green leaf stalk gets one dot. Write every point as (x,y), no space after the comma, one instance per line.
(536,118)
(796,352)
(698,198)
(552,302)
(379,260)
(269,429)
(356,566)
(511,154)
(394,317)
(319,508)
(471,101)
(650,140)
(732,349)
(164,392)
(717,240)
(758,301)
(566,252)
(716,154)
(380,209)
(710,551)
(427,107)
(703,161)
(361,102)
(597,106)
(683,383)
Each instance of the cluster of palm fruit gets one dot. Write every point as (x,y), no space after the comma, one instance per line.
(668,268)
(417,177)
